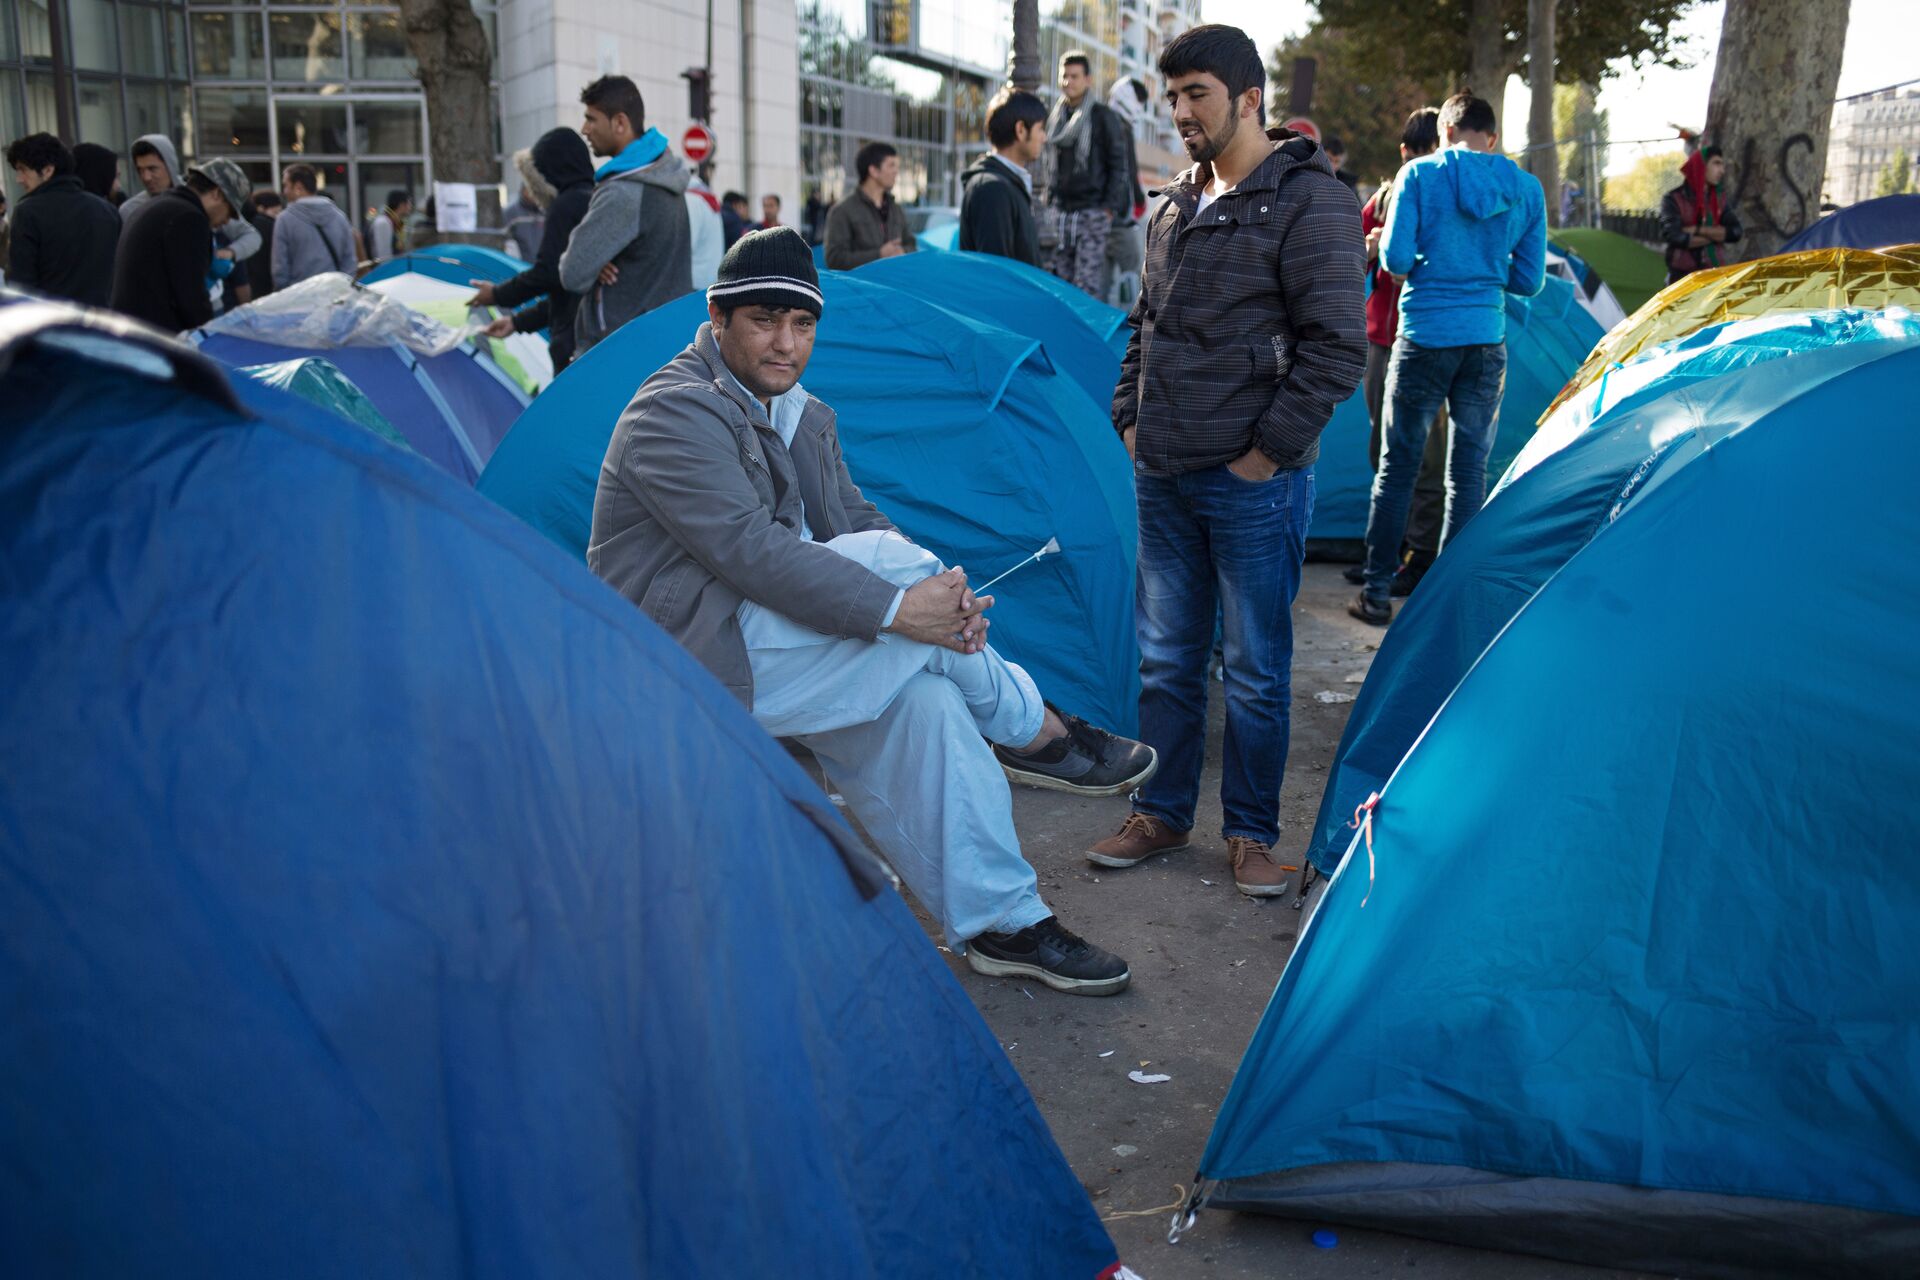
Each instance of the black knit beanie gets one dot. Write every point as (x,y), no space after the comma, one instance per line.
(771,268)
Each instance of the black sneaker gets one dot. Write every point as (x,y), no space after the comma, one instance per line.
(1053,954)
(1355,573)
(1370,612)
(1087,761)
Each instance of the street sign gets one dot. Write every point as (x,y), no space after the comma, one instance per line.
(696,143)
(1300,124)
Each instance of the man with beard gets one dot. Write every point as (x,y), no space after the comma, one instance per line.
(1089,190)
(1248,330)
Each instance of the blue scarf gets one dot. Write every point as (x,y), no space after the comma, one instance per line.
(638,154)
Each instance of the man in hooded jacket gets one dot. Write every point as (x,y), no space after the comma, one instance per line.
(1467,227)
(633,250)
(1695,224)
(157,165)
(559,174)
(312,236)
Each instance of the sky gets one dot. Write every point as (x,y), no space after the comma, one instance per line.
(1644,104)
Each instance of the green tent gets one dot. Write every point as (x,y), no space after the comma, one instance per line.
(319,382)
(1633,271)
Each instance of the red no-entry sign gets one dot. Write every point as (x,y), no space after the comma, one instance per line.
(696,143)
(1300,124)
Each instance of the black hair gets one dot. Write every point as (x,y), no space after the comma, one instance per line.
(142,149)
(773,196)
(870,156)
(1072,56)
(200,184)
(617,96)
(1010,109)
(1226,53)
(1333,146)
(1464,111)
(39,151)
(733,197)
(303,176)
(397,197)
(1709,153)
(1422,133)
(264,199)
(1139,88)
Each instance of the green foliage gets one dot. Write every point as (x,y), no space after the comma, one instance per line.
(1362,97)
(1896,179)
(1576,115)
(1639,189)
(1427,39)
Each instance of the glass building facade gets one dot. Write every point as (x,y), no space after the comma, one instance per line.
(101,71)
(329,84)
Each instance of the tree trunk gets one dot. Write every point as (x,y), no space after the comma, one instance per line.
(1487,64)
(1769,111)
(450,46)
(1543,158)
(1023,60)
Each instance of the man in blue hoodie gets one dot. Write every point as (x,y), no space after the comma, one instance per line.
(1468,226)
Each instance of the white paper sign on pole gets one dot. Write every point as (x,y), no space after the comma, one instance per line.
(456,206)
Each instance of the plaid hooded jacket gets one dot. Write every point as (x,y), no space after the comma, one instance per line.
(1250,325)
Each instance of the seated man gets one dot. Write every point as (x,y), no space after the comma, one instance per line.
(724,511)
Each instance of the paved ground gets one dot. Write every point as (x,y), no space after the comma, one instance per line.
(1204,961)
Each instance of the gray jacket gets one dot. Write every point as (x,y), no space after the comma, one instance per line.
(142,198)
(637,220)
(310,238)
(698,508)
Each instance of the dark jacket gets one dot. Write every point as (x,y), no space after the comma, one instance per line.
(733,224)
(1250,324)
(561,159)
(996,212)
(260,265)
(63,242)
(1689,205)
(1103,182)
(698,508)
(636,219)
(97,168)
(856,230)
(160,275)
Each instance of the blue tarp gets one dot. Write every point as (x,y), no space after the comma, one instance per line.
(453,408)
(1547,338)
(1871,224)
(960,431)
(384,896)
(1556,500)
(1084,338)
(1638,908)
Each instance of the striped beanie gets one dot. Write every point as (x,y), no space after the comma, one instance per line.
(771,268)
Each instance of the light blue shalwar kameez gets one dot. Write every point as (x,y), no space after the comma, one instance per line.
(897,725)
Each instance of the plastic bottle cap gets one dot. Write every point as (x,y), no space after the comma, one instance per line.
(1325,1239)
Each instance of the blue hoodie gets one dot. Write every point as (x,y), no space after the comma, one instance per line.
(1465,229)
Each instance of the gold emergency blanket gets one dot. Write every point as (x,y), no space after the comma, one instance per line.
(1812,281)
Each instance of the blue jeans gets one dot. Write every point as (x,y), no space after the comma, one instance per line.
(1469,382)
(1208,536)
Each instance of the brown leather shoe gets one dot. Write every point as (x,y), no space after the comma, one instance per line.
(1139,838)
(1256,872)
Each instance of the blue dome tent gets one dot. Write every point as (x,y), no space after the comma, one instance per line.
(1871,224)
(1084,338)
(449,399)
(1622,967)
(458,264)
(1547,338)
(386,897)
(962,432)
(1536,523)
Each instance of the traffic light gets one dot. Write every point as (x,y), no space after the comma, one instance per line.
(699,88)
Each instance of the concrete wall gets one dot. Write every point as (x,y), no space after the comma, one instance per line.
(550,49)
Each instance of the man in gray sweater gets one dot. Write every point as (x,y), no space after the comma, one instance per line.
(312,237)
(634,249)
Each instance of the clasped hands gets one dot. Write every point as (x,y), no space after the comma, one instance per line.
(942,610)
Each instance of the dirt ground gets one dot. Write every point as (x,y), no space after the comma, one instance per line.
(1204,960)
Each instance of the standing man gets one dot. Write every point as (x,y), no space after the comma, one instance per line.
(312,236)
(869,224)
(559,167)
(634,249)
(725,511)
(996,203)
(154,163)
(1249,329)
(733,216)
(1420,137)
(1467,227)
(1089,189)
(1694,222)
(769,211)
(166,253)
(99,171)
(63,235)
(389,226)
(706,231)
(266,210)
